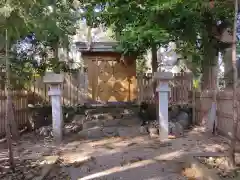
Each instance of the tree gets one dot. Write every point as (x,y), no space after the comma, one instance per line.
(193,25)
(51,21)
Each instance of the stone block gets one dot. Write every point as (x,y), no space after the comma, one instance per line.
(113,122)
(91,124)
(79,119)
(92,133)
(143,130)
(183,119)
(176,129)
(129,122)
(153,132)
(110,131)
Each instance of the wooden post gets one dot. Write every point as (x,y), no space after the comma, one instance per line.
(194,106)
(235,75)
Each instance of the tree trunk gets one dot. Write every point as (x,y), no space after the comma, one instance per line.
(209,77)
(8,108)
(235,75)
(154,58)
(155,69)
(14,127)
(228,71)
(209,66)
(89,37)
(55,49)
(154,65)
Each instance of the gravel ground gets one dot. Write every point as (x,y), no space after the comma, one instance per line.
(131,156)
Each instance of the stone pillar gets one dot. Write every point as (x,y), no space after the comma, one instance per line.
(57,117)
(54,81)
(163,91)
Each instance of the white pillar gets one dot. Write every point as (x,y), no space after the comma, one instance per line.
(163,90)
(57,117)
(55,80)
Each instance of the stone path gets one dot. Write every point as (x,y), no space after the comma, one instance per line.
(134,157)
(129,157)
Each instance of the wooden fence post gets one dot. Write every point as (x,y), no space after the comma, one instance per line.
(194,106)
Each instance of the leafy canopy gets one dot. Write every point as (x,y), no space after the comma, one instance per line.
(192,24)
(50,22)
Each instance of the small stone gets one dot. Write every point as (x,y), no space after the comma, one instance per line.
(113,122)
(78,119)
(173,112)
(101,117)
(153,132)
(66,131)
(176,129)
(29,176)
(45,131)
(143,130)
(85,169)
(76,128)
(183,119)
(179,130)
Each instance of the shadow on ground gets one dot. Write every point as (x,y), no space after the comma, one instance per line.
(129,157)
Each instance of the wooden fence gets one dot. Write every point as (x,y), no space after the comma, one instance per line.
(20,101)
(74,91)
(224,110)
(181,87)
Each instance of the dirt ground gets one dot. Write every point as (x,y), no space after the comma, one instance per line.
(131,156)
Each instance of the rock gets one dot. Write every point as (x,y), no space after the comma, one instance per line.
(110,131)
(91,124)
(128,111)
(153,131)
(49,163)
(72,128)
(66,131)
(76,128)
(29,176)
(183,119)
(173,120)
(113,122)
(128,122)
(179,130)
(173,112)
(78,119)
(176,129)
(45,131)
(143,130)
(171,127)
(101,117)
(154,123)
(92,133)
(108,116)
(117,116)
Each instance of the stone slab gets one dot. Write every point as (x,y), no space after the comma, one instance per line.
(53,78)
(201,171)
(92,133)
(92,124)
(163,75)
(209,154)
(50,162)
(113,122)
